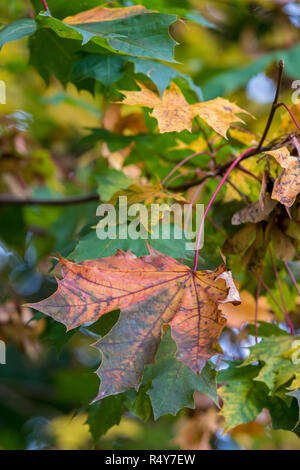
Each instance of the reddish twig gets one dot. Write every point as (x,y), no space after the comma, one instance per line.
(185,160)
(197,171)
(292,276)
(266,287)
(256,307)
(286,315)
(224,178)
(290,113)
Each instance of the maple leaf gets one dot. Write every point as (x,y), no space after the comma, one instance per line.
(254,213)
(132,30)
(174,113)
(277,367)
(287,185)
(101,13)
(148,194)
(243,398)
(150,291)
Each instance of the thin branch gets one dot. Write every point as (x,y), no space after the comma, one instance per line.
(186,159)
(224,178)
(244,170)
(266,287)
(240,193)
(193,200)
(274,105)
(222,168)
(205,136)
(292,276)
(256,307)
(12,200)
(196,170)
(287,318)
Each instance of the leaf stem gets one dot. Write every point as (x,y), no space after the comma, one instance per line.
(290,113)
(45,5)
(190,208)
(186,159)
(224,178)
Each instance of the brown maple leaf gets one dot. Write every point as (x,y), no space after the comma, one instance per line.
(287,184)
(174,113)
(150,291)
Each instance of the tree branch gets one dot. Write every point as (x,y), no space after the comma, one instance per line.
(12,200)
(274,105)
(221,169)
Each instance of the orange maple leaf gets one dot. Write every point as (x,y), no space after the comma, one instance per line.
(150,291)
(174,113)
(101,13)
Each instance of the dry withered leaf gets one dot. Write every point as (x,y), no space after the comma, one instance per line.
(287,185)
(263,189)
(150,291)
(254,212)
(293,230)
(174,113)
(255,254)
(196,432)
(16,327)
(240,240)
(283,246)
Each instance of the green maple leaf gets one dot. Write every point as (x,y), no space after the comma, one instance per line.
(277,368)
(174,384)
(243,397)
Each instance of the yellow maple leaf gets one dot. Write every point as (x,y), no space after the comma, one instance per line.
(175,114)
(148,194)
(243,136)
